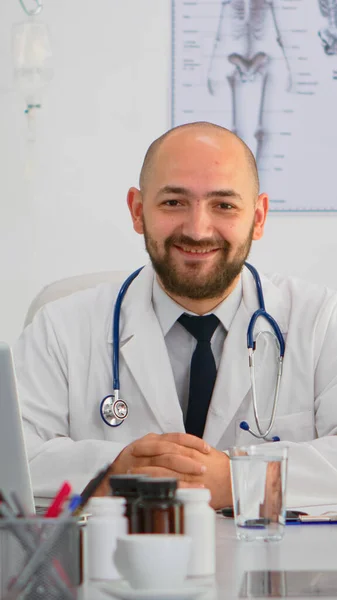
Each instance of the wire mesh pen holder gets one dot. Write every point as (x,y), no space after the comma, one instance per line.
(39,558)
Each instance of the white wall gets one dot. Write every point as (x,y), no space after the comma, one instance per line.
(62,198)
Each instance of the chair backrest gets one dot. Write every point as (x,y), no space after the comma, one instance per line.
(65,287)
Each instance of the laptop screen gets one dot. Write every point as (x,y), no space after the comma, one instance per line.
(14,471)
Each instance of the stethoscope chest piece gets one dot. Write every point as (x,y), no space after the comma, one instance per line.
(113,410)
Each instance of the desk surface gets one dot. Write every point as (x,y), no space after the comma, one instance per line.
(303,548)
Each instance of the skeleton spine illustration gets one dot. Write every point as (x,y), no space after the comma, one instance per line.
(248,21)
(249,17)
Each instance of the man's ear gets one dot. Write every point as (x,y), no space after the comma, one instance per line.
(135,204)
(261,210)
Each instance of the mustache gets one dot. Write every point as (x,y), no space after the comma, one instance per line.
(204,244)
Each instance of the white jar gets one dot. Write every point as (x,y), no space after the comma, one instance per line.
(106,523)
(199,524)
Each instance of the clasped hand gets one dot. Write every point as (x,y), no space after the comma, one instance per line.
(188,458)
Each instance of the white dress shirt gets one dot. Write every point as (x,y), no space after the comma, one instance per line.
(181,344)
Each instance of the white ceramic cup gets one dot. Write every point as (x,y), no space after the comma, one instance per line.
(153,561)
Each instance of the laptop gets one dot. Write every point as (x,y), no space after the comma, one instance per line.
(14,469)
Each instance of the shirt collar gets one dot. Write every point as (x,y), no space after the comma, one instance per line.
(168,311)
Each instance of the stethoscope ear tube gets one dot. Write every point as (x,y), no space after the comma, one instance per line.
(244,425)
(261,312)
(251,345)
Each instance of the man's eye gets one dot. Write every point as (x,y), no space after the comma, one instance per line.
(171,202)
(225,206)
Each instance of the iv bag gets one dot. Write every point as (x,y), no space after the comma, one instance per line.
(32,57)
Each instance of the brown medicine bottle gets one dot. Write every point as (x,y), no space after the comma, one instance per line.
(127,487)
(158,510)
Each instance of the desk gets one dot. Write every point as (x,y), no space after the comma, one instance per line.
(304,547)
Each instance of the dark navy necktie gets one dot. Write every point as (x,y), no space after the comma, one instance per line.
(202,373)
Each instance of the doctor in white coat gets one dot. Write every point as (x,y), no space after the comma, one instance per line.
(199,209)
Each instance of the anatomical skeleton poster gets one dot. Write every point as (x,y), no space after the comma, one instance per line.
(267,70)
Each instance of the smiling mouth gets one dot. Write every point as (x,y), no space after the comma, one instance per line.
(196,251)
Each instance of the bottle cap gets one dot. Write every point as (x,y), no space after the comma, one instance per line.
(125,485)
(157,487)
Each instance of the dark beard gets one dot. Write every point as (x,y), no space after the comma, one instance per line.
(192,285)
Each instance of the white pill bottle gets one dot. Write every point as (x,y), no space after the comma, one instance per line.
(105,524)
(199,524)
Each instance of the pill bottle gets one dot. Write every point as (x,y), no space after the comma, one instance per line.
(106,522)
(126,486)
(158,510)
(199,524)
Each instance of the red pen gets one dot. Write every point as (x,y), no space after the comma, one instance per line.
(56,507)
(53,511)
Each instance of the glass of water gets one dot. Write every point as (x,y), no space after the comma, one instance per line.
(259,477)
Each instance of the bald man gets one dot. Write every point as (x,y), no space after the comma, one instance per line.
(182,343)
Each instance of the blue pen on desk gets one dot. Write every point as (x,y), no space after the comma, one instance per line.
(291,515)
(311,520)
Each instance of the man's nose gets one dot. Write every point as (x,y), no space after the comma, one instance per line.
(198,223)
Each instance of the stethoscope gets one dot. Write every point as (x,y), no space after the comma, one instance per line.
(251,345)
(114,410)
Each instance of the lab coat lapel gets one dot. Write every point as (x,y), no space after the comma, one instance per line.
(233,379)
(143,348)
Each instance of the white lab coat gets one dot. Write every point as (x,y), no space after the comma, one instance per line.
(63,362)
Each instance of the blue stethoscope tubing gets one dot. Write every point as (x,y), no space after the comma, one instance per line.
(114,410)
(115,327)
(251,345)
